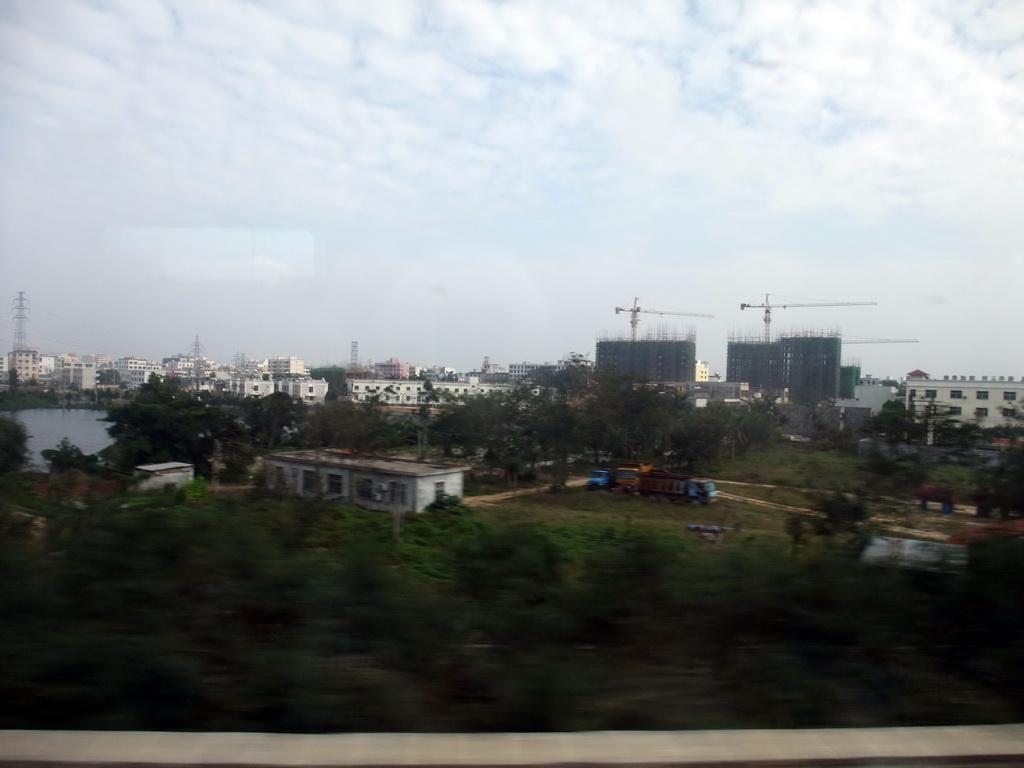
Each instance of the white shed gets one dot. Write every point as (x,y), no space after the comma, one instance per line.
(371,482)
(156,477)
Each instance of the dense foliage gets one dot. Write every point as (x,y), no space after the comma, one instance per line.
(175,612)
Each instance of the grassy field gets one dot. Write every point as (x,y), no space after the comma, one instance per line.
(792,475)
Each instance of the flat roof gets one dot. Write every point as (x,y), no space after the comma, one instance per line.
(164,466)
(367,463)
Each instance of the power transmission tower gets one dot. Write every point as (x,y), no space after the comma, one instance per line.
(197,364)
(20,312)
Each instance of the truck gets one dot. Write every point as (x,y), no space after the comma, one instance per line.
(600,480)
(628,474)
(670,486)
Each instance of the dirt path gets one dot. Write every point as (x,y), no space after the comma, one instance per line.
(493,499)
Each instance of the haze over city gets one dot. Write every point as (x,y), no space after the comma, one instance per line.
(441,181)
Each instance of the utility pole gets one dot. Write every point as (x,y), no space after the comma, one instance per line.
(396,512)
(215,466)
(20,312)
(197,364)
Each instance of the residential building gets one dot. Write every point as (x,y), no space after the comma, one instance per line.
(413,392)
(133,371)
(988,401)
(287,366)
(701,371)
(392,369)
(24,362)
(309,391)
(250,386)
(74,374)
(386,485)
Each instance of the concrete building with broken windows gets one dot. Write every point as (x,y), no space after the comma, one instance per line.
(371,482)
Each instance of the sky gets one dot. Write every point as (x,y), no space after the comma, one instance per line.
(443,181)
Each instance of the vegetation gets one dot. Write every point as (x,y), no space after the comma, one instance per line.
(575,611)
(553,611)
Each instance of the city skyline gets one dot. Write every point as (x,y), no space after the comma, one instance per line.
(447,181)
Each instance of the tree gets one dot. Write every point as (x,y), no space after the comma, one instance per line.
(68,456)
(167,423)
(272,420)
(13,445)
(108,376)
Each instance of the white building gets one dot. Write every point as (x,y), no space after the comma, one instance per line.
(387,485)
(76,374)
(250,386)
(309,391)
(134,371)
(156,477)
(870,393)
(287,366)
(988,401)
(411,392)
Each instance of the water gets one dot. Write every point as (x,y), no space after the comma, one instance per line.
(48,426)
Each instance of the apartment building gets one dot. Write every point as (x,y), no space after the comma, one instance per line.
(412,392)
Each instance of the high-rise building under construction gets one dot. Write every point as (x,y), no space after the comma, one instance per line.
(658,357)
(805,364)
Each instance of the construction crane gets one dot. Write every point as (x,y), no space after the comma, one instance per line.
(635,310)
(767,306)
(861,340)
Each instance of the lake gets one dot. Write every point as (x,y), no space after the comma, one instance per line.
(48,426)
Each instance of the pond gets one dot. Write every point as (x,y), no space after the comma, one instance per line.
(48,426)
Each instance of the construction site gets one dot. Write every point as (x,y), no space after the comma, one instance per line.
(804,364)
(659,356)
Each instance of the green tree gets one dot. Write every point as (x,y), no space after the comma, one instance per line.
(167,423)
(13,445)
(68,456)
(272,420)
(108,376)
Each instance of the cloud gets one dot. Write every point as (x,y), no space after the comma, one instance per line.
(657,140)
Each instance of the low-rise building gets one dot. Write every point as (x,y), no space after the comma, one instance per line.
(250,386)
(74,374)
(309,391)
(414,392)
(133,371)
(156,477)
(387,485)
(988,401)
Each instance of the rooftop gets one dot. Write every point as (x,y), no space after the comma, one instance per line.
(373,463)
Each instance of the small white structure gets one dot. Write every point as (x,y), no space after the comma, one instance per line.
(387,485)
(156,477)
(911,553)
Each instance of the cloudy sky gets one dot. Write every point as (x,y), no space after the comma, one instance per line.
(447,180)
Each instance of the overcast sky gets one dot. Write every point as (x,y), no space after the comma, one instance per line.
(443,181)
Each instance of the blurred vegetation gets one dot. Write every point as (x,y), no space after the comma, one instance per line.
(569,611)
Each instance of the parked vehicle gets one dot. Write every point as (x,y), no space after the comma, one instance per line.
(628,474)
(600,480)
(669,486)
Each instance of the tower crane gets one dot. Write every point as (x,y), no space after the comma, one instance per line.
(859,340)
(635,310)
(768,307)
